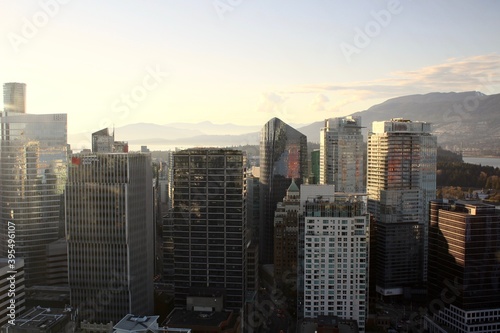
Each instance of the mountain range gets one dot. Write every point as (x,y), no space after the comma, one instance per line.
(465,121)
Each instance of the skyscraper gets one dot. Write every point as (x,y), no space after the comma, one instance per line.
(335,254)
(103,142)
(401,181)
(33,160)
(341,154)
(283,157)
(209,225)
(464,267)
(109,229)
(14,97)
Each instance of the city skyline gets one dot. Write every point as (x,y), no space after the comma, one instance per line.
(244,62)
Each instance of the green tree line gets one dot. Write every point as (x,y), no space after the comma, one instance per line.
(452,171)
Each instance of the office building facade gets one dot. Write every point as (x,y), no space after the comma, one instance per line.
(401,180)
(335,254)
(283,157)
(209,225)
(109,230)
(33,163)
(341,154)
(464,267)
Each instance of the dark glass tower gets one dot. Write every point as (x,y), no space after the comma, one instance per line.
(283,157)
(464,267)
(209,225)
(464,244)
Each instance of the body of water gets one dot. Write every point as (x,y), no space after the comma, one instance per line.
(490,161)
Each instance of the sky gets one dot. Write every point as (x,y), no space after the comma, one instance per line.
(117,62)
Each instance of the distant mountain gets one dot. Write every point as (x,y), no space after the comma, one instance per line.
(466,121)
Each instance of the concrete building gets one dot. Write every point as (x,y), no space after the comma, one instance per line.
(401,180)
(14,97)
(109,229)
(283,157)
(209,225)
(12,302)
(464,267)
(341,154)
(335,254)
(33,163)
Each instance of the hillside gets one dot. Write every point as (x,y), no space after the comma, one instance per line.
(468,121)
(465,121)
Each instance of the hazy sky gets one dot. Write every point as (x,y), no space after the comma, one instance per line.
(241,61)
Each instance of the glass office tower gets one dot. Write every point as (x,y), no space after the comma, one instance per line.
(209,225)
(401,181)
(464,267)
(33,161)
(283,157)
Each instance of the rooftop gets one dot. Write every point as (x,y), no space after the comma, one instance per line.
(186,318)
(43,319)
(134,323)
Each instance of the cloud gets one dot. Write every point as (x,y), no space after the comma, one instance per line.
(271,103)
(319,103)
(477,73)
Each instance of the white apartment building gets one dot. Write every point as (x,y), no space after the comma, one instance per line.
(335,253)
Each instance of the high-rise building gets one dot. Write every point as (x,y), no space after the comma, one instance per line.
(341,154)
(103,142)
(464,267)
(335,254)
(283,157)
(14,97)
(401,180)
(286,227)
(209,226)
(33,163)
(109,229)
(12,289)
